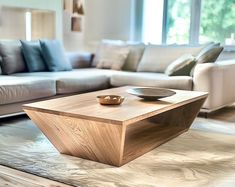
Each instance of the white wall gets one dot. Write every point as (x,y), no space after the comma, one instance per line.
(109,19)
(54,5)
(73,41)
(15,19)
(103,19)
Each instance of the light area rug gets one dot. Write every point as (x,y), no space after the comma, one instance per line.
(203,156)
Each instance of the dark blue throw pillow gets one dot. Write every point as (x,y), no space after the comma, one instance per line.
(54,56)
(33,57)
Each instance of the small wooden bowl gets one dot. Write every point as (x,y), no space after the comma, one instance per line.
(110,99)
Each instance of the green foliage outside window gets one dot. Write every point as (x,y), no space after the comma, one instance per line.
(217,20)
(178,21)
(216,24)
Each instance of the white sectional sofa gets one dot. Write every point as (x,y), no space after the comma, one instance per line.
(218,80)
(215,78)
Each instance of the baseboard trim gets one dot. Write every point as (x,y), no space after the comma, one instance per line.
(205,110)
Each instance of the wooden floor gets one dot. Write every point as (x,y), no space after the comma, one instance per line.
(13,178)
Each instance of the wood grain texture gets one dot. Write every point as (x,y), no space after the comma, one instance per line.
(148,134)
(85,106)
(91,140)
(112,143)
(13,178)
(202,157)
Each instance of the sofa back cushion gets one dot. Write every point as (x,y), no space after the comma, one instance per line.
(33,56)
(111,56)
(12,58)
(79,59)
(157,58)
(54,56)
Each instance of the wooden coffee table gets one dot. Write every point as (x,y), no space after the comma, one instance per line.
(79,126)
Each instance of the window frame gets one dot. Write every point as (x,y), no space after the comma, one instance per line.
(195,21)
(195,17)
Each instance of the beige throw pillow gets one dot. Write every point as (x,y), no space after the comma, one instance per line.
(181,66)
(209,54)
(134,57)
(111,57)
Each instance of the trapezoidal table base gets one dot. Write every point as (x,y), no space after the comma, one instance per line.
(114,144)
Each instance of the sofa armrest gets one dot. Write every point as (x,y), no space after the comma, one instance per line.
(80,59)
(218,80)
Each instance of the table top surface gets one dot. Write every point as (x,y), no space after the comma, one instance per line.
(133,109)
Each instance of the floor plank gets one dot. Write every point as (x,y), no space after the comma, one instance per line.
(14,178)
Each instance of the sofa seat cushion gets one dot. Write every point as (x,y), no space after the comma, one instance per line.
(152,79)
(82,84)
(17,89)
(78,80)
(69,74)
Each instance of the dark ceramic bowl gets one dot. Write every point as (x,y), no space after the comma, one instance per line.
(110,99)
(151,94)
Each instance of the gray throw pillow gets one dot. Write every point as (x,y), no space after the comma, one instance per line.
(54,56)
(181,66)
(33,56)
(209,54)
(12,58)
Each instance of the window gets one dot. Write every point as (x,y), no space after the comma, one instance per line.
(178,21)
(152,21)
(26,24)
(28,29)
(217,21)
(189,21)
